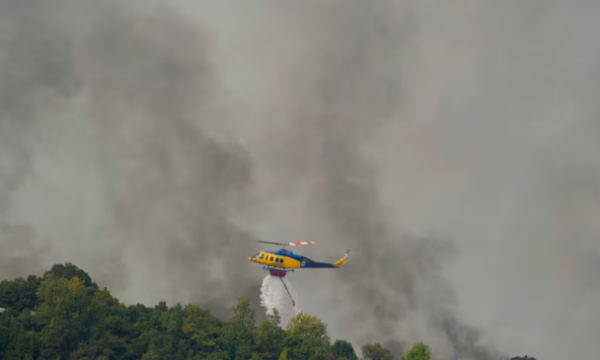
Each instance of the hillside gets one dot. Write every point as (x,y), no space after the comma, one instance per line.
(64,315)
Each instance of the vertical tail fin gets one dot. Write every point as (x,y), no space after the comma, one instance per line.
(341,262)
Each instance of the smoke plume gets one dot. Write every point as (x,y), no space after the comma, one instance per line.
(124,181)
(452,149)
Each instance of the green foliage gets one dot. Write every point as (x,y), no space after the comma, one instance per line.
(307,338)
(19,294)
(237,334)
(283,355)
(308,329)
(269,337)
(65,316)
(419,351)
(376,351)
(343,349)
(69,271)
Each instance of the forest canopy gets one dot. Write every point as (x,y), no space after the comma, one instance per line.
(65,315)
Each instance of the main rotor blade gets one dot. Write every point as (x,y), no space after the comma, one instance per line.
(288,244)
(270,242)
(302,243)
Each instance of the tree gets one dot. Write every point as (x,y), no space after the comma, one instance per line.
(419,351)
(201,327)
(322,353)
(69,271)
(19,294)
(306,335)
(343,349)
(308,329)
(54,314)
(243,315)
(67,313)
(237,336)
(269,336)
(283,355)
(73,320)
(522,358)
(376,351)
(17,341)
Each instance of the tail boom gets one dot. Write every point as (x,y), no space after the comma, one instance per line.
(318,265)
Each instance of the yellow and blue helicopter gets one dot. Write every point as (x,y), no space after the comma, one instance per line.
(279,263)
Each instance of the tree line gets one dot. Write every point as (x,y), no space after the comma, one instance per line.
(64,315)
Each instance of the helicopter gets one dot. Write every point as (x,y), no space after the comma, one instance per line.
(279,263)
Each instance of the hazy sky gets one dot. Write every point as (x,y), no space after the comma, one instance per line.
(452,147)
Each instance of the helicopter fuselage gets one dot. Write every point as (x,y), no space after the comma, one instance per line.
(284,259)
(279,263)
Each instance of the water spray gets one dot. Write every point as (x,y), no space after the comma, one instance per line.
(273,295)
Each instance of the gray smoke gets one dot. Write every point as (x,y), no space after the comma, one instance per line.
(126,182)
(25,84)
(453,149)
(353,90)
